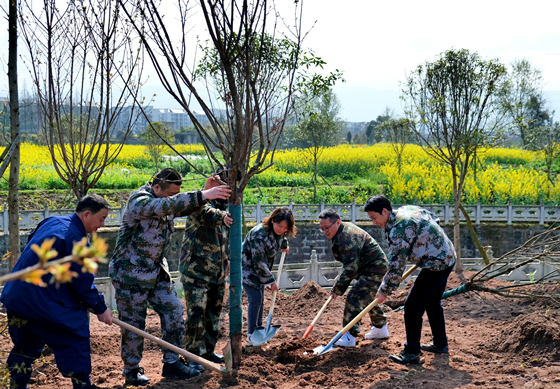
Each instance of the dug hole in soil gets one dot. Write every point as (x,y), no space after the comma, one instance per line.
(493,343)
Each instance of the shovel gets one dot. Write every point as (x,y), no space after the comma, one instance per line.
(261,335)
(330,346)
(310,328)
(225,371)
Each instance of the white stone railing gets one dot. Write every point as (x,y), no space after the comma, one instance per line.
(350,212)
(294,275)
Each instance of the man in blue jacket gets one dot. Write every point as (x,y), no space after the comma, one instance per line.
(56,316)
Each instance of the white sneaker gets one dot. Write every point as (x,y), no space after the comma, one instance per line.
(346,340)
(248,341)
(378,333)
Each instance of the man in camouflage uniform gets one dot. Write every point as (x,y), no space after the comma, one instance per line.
(415,236)
(140,272)
(364,261)
(204,265)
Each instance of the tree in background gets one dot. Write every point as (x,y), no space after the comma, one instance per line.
(319,127)
(359,138)
(249,70)
(521,97)
(398,133)
(453,105)
(349,137)
(372,129)
(155,145)
(85,67)
(546,138)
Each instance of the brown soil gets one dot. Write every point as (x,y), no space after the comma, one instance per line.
(493,342)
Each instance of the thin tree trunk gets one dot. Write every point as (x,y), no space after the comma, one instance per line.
(474,236)
(315,178)
(13,182)
(456,225)
(235,280)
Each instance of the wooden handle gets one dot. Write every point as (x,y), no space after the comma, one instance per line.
(310,327)
(207,364)
(321,311)
(373,304)
(277,283)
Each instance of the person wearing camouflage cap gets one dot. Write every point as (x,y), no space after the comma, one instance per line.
(415,236)
(204,265)
(140,273)
(363,261)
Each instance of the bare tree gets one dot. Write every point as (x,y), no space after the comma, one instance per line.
(254,74)
(452,103)
(78,58)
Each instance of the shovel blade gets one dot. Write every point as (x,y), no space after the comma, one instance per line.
(323,349)
(261,335)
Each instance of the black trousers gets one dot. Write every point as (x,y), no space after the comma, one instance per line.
(425,296)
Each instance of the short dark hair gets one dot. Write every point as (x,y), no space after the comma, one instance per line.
(165,177)
(279,215)
(93,203)
(377,203)
(330,214)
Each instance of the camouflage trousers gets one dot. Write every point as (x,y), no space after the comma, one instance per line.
(132,304)
(204,306)
(359,297)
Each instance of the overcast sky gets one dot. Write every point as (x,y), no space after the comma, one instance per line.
(376,43)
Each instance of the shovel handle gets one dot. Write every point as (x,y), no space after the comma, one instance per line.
(366,310)
(310,328)
(207,364)
(277,283)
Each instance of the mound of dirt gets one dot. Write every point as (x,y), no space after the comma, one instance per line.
(533,335)
(307,300)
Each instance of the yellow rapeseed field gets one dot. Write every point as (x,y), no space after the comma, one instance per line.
(501,174)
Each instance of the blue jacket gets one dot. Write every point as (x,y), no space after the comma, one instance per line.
(65,306)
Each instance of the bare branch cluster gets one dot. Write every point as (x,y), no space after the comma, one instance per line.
(544,247)
(78,57)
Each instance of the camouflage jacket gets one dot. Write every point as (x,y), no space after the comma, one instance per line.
(414,235)
(146,229)
(359,254)
(204,253)
(259,251)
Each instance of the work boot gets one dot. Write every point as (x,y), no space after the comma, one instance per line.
(195,365)
(378,333)
(404,357)
(347,340)
(178,370)
(136,377)
(214,357)
(435,349)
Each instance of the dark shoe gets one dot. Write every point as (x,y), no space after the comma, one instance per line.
(435,349)
(214,357)
(178,370)
(136,377)
(403,358)
(195,365)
